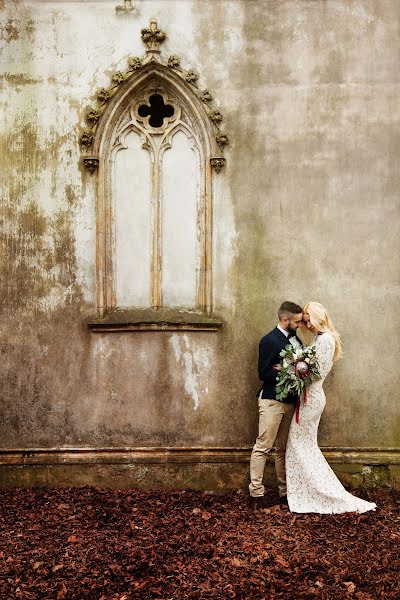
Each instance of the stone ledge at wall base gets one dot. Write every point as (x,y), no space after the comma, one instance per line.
(216,470)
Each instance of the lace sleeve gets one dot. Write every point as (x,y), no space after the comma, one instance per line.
(325,350)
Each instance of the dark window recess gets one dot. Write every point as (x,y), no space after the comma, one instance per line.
(157,110)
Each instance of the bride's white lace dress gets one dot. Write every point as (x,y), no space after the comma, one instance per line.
(312,486)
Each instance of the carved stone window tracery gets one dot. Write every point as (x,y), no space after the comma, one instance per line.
(156,113)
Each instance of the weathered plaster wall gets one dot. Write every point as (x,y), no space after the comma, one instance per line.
(307,208)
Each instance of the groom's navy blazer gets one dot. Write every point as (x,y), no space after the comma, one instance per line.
(268,356)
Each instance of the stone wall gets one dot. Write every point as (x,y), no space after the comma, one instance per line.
(306,208)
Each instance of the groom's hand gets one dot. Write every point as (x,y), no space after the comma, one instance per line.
(277,368)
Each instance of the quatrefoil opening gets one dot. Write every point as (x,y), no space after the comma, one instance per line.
(157,110)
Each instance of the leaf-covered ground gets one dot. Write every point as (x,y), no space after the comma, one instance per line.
(107,544)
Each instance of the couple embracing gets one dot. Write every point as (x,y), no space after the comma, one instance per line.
(306,482)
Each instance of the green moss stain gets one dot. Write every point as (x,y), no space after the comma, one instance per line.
(22,158)
(38,254)
(70,194)
(9,32)
(31,222)
(64,247)
(364,476)
(19,79)
(374,476)
(37,250)
(23,250)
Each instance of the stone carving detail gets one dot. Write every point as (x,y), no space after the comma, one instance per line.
(191,77)
(118,77)
(205,96)
(155,111)
(92,116)
(103,95)
(134,63)
(216,117)
(126,9)
(91,163)
(174,62)
(86,139)
(218,163)
(222,140)
(153,37)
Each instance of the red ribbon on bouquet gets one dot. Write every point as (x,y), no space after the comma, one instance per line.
(298,404)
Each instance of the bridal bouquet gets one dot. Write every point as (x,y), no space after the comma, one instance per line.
(299,368)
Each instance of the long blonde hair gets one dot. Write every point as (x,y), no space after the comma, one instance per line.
(322,322)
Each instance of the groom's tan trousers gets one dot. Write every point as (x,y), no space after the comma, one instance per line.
(273,428)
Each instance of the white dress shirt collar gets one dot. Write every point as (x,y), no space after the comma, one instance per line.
(286,333)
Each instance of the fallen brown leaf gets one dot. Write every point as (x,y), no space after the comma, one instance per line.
(236,562)
(62,592)
(57,568)
(281,561)
(350,586)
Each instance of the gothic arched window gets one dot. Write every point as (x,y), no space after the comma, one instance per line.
(157,181)
(156,145)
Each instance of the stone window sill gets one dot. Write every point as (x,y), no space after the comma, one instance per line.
(154,320)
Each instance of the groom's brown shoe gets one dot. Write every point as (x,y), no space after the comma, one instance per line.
(283,501)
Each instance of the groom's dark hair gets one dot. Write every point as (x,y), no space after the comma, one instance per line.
(289,308)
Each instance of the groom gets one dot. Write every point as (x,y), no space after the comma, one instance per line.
(274,416)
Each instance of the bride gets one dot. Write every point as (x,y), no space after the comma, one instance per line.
(312,486)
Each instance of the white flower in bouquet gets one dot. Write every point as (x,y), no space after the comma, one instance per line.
(295,342)
(298,353)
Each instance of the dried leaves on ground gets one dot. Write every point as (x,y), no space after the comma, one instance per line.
(122,545)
